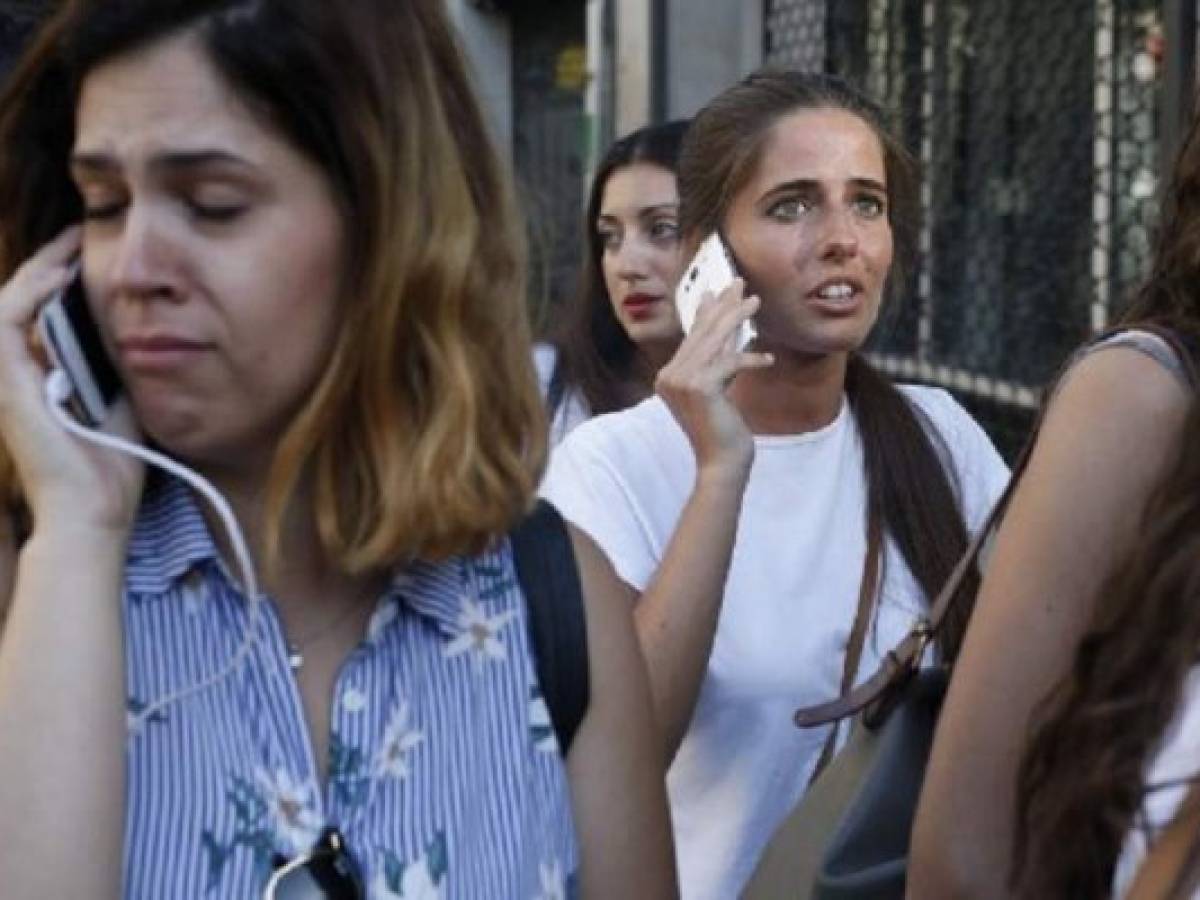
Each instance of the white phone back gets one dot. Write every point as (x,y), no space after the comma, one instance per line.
(709,271)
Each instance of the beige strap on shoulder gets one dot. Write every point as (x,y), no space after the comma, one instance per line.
(858,631)
(1171,869)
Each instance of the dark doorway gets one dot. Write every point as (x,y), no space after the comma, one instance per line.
(549,139)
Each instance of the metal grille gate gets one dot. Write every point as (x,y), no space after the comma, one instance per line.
(1037,128)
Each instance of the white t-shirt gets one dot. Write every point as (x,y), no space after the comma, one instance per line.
(572,410)
(1176,761)
(789,602)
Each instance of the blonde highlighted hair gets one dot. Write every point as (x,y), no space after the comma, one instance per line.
(425,436)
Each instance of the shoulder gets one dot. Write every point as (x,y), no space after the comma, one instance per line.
(1109,429)
(627,436)
(978,471)
(622,478)
(1152,344)
(629,449)
(936,403)
(948,421)
(1120,389)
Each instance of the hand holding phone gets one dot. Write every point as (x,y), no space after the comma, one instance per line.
(711,270)
(72,341)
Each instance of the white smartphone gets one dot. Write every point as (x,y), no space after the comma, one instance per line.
(73,344)
(711,269)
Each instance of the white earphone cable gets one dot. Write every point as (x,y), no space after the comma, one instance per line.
(58,391)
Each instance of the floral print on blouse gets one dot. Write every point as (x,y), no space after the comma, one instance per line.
(444,776)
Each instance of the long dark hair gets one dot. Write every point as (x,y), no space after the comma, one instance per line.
(595,357)
(909,485)
(1080,781)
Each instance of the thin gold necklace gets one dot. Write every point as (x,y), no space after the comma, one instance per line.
(297,647)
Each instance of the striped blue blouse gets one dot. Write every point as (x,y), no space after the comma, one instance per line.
(444,776)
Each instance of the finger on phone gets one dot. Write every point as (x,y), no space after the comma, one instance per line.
(21,297)
(56,254)
(65,246)
(733,291)
(730,365)
(37,349)
(755,359)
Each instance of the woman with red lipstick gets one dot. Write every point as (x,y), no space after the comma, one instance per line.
(763,496)
(622,324)
(299,251)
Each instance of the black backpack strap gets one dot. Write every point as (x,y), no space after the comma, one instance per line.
(549,577)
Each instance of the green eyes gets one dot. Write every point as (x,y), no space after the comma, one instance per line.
(871,207)
(788,210)
(791,209)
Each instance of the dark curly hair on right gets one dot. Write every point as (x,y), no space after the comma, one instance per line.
(1080,782)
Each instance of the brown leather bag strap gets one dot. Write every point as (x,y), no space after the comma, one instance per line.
(904,659)
(1171,869)
(867,589)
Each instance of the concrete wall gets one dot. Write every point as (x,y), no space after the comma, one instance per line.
(710,45)
(633,69)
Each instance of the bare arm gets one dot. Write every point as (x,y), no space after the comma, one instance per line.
(615,766)
(62,706)
(1103,446)
(677,614)
(62,722)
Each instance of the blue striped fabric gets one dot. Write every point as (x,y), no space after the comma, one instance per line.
(444,774)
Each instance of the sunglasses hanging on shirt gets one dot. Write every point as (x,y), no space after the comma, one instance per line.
(326,872)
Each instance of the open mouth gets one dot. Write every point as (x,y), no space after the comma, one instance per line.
(837,294)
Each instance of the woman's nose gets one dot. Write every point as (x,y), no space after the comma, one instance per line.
(138,266)
(631,259)
(839,238)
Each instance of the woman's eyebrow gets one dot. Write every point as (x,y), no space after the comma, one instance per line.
(671,206)
(810,185)
(871,184)
(656,208)
(172,162)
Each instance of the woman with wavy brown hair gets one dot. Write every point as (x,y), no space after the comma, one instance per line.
(299,253)
(1089,599)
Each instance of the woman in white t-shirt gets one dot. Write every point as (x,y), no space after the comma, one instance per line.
(736,504)
(622,325)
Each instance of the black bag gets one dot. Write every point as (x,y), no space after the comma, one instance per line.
(549,577)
